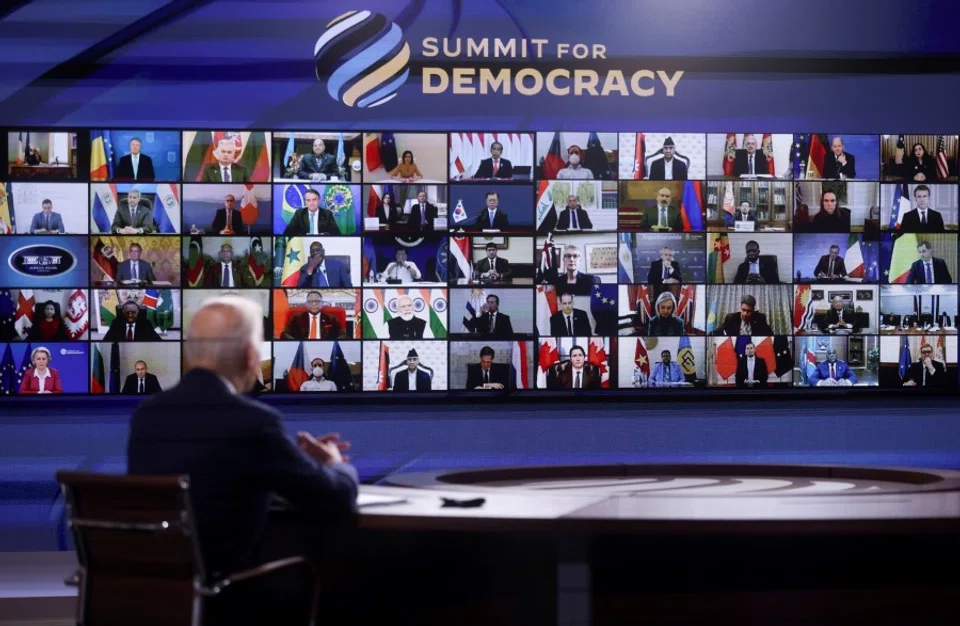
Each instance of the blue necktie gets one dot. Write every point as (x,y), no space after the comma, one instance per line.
(576,224)
(322,277)
(313,223)
(48,222)
(491,218)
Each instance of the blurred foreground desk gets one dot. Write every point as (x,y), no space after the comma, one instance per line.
(667,544)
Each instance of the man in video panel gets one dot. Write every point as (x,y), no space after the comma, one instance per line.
(922,219)
(422,213)
(668,168)
(574,216)
(756,269)
(228,220)
(839,163)
(491,218)
(141,382)
(131,325)
(134,268)
(486,374)
(568,321)
(832,373)
(750,162)
(401,271)
(134,216)
(665,372)
(319,271)
(492,267)
(311,220)
(926,372)
(491,322)
(318,165)
(751,369)
(312,324)
(579,373)
(46,221)
(135,166)
(412,378)
(495,166)
(664,270)
(838,317)
(406,325)
(225,170)
(928,269)
(831,266)
(748,321)
(663,216)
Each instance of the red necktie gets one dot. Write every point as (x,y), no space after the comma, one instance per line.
(496,166)
(129,332)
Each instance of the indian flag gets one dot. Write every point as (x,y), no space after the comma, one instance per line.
(904,254)
(436,312)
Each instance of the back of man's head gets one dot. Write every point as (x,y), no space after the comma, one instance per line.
(225,337)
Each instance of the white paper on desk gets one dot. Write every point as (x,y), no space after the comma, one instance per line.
(371,223)
(370,499)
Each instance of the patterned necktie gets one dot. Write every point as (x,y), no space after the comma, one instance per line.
(226,275)
(496,166)
(667,377)
(493,321)
(833,371)
(423,214)
(129,332)
(226,174)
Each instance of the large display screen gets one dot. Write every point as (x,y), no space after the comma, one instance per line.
(459,261)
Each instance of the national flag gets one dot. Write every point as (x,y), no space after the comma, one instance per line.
(597,354)
(471,307)
(105,258)
(373,200)
(166,209)
(853,259)
(801,152)
(357,315)
(803,309)
(24,312)
(807,362)
(104,206)
(249,207)
(150,299)
(163,314)
(603,308)
(383,371)
(641,361)
(459,213)
(905,358)
(712,315)
(368,264)
(435,310)
(8,217)
(460,250)
(376,314)
(195,262)
(388,151)
(518,365)
(78,317)
(338,370)
(25,364)
(20,154)
(943,169)
(341,157)
(903,256)
(940,353)
(625,269)
(687,306)
(726,359)
(340,202)
(455,146)
(292,199)
(293,259)
(690,209)
(101,155)
(8,373)
(718,255)
(372,153)
(289,152)
(595,158)
(113,386)
(199,155)
(766,146)
(643,302)
(479,153)
(546,306)
(553,161)
(728,206)
(900,205)
(729,154)
(686,359)
(818,153)
(784,360)
(98,383)
(546,258)
(107,302)
(255,155)
(297,374)
(765,351)
(901,148)
(8,310)
(546,211)
(256,260)
(639,158)
(548,355)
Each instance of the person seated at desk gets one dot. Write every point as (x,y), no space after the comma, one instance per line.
(669,167)
(492,218)
(922,219)
(928,270)
(578,373)
(311,220)
(831,266)
(238,457)
(51,327)
(312,324)
(749,162)
(33,157)
(135,166)
(747,322)
(491,322)
(130,325)
(401,271)
(574,169)
(571,279)
(568,321)
(574,217)
(665,372)
(228,220)
(745,213)
(755,269)
(918,166)
(486,374)
(320,271)
(751,369)
(141,382)
(318,165)
(41,378)
(495,166)
(492,267)
(664,270)
(412,378)
(663,216)
(224,273)
(926,372)
(406,325)
(666,323)
(225,170)
(831,218)
(839,163)
(46,221)
(317,382)
(406,169)
(832,373)
(134,216)
(422,213)
(134,269)
(838,317)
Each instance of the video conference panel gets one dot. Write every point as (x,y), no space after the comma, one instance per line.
(482,261)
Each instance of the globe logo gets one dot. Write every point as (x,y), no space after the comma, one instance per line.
(363,58)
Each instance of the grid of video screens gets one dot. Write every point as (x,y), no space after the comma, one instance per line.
(482,260)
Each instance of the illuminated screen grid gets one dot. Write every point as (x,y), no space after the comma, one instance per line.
(483,260)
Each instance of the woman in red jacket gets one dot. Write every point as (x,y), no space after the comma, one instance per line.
(41,378)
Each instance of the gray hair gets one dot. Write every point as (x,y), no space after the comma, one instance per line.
(226,350)
(33,354)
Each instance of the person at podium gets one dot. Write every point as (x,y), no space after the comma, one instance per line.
(666,373)
(831,266)
(128,326)
(832,373)
(319,165)
(838,317)
(663,216)
(406,325)
(134,269)
(46,221)
(926,372)
(492,268)
(227,221)
(401,271)
(495,166)
(751,369)
(311,220)
(493,218)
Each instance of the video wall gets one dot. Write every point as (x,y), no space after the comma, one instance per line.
(496,261)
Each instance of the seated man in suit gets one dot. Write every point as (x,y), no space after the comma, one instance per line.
(491,322)
(838,317)
(319,271)
(830,266)
(135,166)
(926,372)
(665,372)
(578,373)
(406,325)
(669,167)
(928,270)
(135,269)
(571,279)
(225,274)
(495,167)
(422,213)
(755,269)
(46,221)
(238,457)
(225,170)
(747,322)
(568,321)
(401,270)
(922,219)
(318,165)
(134,216)
(492,267)
(749,162)
(128,326)
(493,218)
(574,217)
(311,220)
(412,378)
(486,374)
(832,373)
(664,270)
(744,213)
(751,369)
(838,163)
(227,221)
(142,382)
(664,216)
(312,324)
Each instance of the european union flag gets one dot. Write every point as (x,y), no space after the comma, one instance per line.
(339,371)
(904,358)
(8,373)
(603,307)
(388,152)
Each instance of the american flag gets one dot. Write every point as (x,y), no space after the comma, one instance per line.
(943,171)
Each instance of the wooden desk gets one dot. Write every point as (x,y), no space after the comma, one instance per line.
(917,331)
(59,172)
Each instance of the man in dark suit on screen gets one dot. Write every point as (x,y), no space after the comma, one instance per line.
(922,219)
(574,217)
(422,213)
(492,267)
(135,166)
(319,271)
(228,220)
(747,322)
(663,216)
(493,217)
(839,163)
(577,372)
(225,170)
(486,374)
(142,382)
(831,265)
(838,317)
(134,268)
(495,167)
(926,372)
(664,269)
(568,321)
(130,325)
(750,161)
(311,220)
(669,167)
(237,455)
(928,269)
(412,378)
(319,165)
(491,322)
(751,369)
(406,325)
(755,269)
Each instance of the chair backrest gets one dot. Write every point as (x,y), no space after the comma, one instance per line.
(136,546)
(338,312)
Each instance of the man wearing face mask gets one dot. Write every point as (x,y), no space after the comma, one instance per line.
(751,369)
(756,269)
(574,169)
(317,382)
(406,325)
(832,373)
(669,167)
(574,217)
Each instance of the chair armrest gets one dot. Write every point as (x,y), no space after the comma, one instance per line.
(260,570)
(73,580)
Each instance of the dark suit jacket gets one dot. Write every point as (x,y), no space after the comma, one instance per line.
(401,382)
(300,224)
(432,214)
(338,275)
(150,383)
(824,222)
(767,272)
(500,265)
(581,324)
(824,266)
(143,331)
(741,164)
(220,222)
(482,221)
(486,169)
(917,276)
(211,173)
(144,271)
(833,169)
(937,379)
(590,379)
(299,327)
(739,216)
(583,286)
(399,328)
(237,457)
(651,218)
(731,325)
(832,317)
(760,373)
(40,221)
(124,169)
(481,326)
(324,164)
(655,275)
(565,220)
(393,219)
(657,170)
(241,276)
(499,373)
(911,222)
(144,218)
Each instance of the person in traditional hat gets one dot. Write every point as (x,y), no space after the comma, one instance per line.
(412,378)
(669,167)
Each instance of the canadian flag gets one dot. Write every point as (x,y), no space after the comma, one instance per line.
(597,354)
(549,354)
(78,319)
